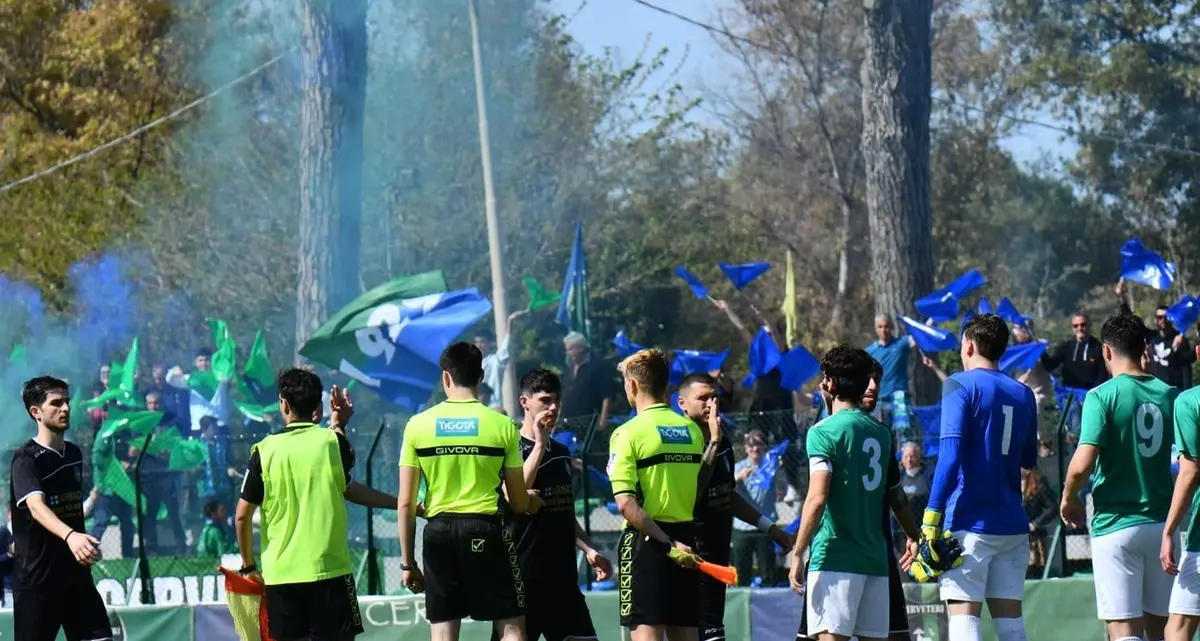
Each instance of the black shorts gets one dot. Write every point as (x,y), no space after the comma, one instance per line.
(471,570)
(897,605)
(557,611)
(713,547)
(326,609)
(77,609)
(652,589)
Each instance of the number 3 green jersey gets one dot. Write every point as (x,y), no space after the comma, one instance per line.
(853,447)
(1130,420)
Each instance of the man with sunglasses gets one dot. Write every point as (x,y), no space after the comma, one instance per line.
(1171,356)
(1080,357)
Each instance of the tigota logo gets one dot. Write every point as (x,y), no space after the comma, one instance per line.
(675,435)
(457,427)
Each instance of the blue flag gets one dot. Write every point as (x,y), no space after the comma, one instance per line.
(1184,313)
(743,274)
(984,306)
(763,477)
(1141,265)
(624,346)
(398,341)
(796,368)
(942,305)
(573,306)
(691,361)
(699,289)
(1006,310)
(764,356)
(929,339)
(1021,357)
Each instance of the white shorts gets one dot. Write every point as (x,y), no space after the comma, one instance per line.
(1128,576)
(1185,593)
(994,567)
(847,604)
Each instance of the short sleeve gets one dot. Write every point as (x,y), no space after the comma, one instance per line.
(408,449)
(1187,425)
(25,480)
(1029,455)
(253,490)
(512,446)
(893,473)
(1093,420)
(622,463)
(346,451)
(818,444)
(954,408)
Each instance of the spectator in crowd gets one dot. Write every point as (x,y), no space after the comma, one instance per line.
(916,478)
(1041,506)
(726,391)
(6,560)
(107,504)
(174,400)
(218,476)
(588,385)
(160,485)
(1171,356)
(216,537)
(495,362)
(892,353)
(752,548)
(1037,379)
(1079,357)
(100,413)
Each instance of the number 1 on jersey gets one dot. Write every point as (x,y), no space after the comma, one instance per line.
(1006,440)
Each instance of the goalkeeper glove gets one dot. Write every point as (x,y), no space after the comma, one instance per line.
(941,554)
(931,530)
(921,571)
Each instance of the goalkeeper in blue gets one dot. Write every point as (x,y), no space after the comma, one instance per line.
(989,434)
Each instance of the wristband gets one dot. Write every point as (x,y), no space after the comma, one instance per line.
(247,569)
(68,535)
(765,524)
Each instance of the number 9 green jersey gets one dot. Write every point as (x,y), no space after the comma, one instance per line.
(854,448)
(1130,420)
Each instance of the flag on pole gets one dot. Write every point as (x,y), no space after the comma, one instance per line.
(789,302)
(942,305)
(743,274)
(539,297)
(1184,313)
(625,347)
(699,289)
(1022,357)
(929,339)
(1140,265)
(573,306)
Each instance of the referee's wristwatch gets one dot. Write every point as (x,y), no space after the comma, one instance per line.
(248,569)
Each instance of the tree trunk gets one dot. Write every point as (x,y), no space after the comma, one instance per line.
(896,79)
(331,159)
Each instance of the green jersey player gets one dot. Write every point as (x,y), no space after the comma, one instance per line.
(847,583)
(1126,435)
(1185,593)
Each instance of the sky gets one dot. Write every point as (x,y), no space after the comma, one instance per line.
(629,29)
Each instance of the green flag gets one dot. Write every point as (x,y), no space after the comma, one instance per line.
(225,350)
(336,344)
(539,297)
(258,364)
(204,383)
(219,330)
(140,423)
(573,308)
(17,357)
(257,412)
(188,454)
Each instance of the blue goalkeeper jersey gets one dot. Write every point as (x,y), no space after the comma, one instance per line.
(995,419)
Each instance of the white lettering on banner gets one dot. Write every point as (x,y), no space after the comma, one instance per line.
(372,340)
(395,613)
(168,590)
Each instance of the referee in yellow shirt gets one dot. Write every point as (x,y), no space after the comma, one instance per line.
(464,449)
(657,463)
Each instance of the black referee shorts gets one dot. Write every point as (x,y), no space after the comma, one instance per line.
(714,549)
(75,608)
(652,589)
(326,609)
(897,606)
(471,569)
(557,611)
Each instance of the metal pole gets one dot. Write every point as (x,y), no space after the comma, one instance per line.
(372,553)
(1062,485)
(499,301)
(143,563)
(586,485)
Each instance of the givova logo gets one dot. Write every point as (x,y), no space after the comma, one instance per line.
(675,435)
(457,427)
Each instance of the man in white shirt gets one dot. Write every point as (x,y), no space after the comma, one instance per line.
(496,362)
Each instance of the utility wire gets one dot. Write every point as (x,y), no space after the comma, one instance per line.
(144,128)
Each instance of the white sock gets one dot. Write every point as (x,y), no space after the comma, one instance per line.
(1010,629)
(1129,639)
(964,627)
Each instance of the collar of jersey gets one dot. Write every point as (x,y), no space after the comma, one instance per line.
(298,425)
(656,406)
(469,400)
